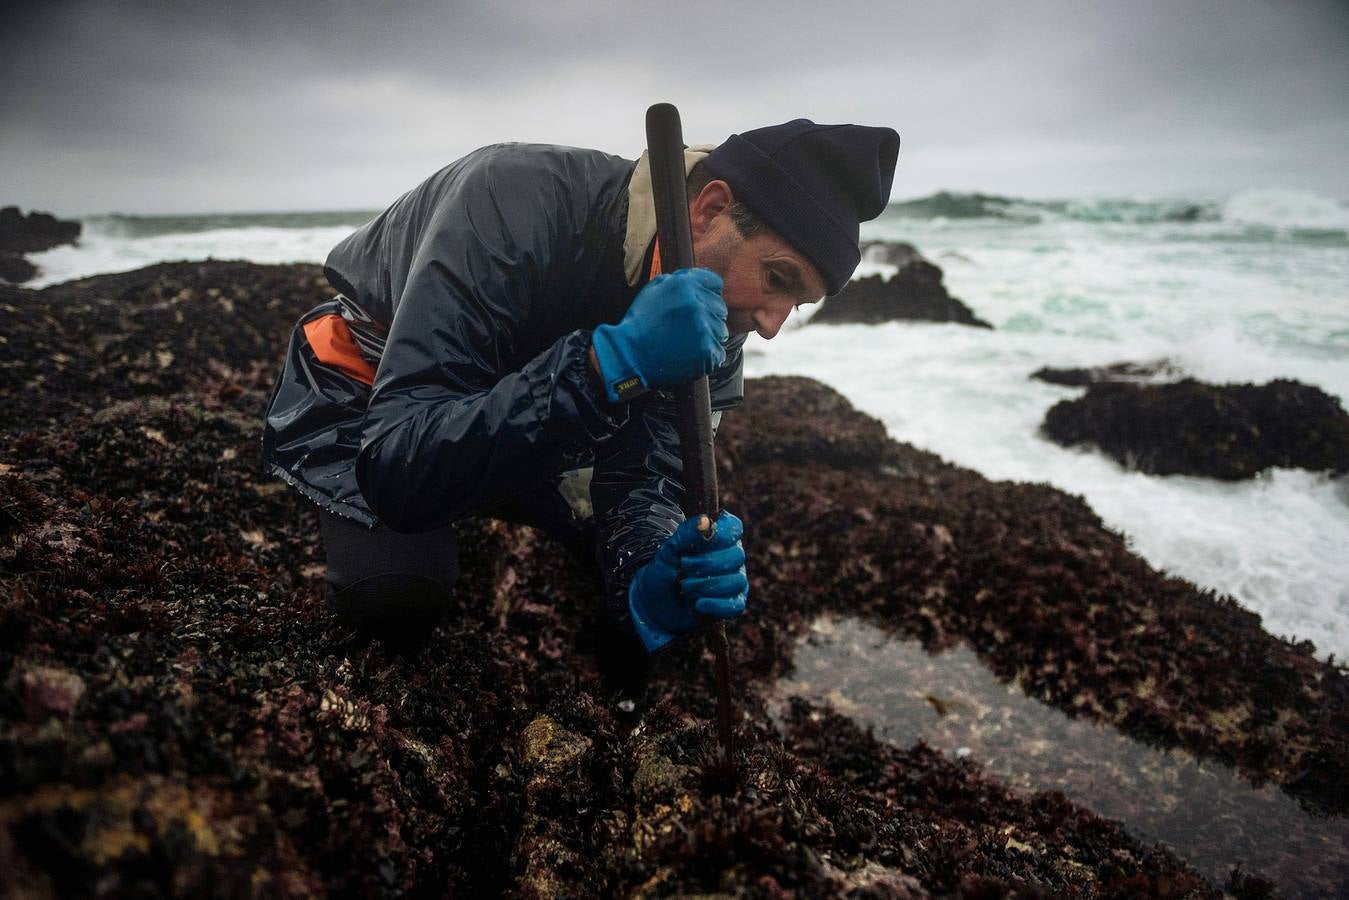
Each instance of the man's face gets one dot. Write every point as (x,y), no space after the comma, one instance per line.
(763,277)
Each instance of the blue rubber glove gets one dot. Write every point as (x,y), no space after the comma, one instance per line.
(689,576)
(672,334)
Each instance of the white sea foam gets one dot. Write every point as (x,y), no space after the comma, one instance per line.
(105,248)
(1286,209)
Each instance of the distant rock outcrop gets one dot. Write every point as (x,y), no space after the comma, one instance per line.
(20,234)
(1129,372)
(1230,431)
(948,205)
(913,292)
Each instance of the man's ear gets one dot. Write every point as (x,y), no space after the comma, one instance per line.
(714,199)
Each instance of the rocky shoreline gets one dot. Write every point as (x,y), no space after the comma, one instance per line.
(179,715)
(20,234)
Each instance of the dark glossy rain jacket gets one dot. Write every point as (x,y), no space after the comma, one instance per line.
(470,303)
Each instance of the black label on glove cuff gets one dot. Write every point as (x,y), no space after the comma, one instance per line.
(629,388)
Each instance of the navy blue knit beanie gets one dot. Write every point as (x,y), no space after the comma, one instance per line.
(812,184)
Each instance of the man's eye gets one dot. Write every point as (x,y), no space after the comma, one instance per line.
(776,282)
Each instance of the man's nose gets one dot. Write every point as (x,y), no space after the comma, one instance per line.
(769,322)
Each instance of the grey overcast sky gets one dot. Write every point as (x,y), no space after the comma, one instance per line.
(183,106)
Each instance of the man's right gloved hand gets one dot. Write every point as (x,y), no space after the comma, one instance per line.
(690,576)
(672,334)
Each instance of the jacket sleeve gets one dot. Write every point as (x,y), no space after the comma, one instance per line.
(451,427)
(638,487)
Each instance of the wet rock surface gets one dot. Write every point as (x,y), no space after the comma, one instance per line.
(915,291)
(20,234)
(150,332)
(180,716)
(15,268)
(1230,431)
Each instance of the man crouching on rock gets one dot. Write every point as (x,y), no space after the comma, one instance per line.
(499,348)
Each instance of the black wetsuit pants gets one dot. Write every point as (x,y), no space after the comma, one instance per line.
(397,586)
(387,584)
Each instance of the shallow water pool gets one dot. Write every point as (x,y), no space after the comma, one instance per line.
(1202,811)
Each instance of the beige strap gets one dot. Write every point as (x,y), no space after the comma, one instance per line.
(642,210)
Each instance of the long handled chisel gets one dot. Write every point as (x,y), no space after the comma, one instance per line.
(665,146)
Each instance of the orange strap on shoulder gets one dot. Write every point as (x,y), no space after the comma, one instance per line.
(655,262)
(331,340)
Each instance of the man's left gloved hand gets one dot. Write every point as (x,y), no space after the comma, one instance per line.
(689,576)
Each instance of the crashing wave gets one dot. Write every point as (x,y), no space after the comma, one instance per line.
(123,225)
(950,205)
(1261,211)
(1135,212)
(1287,210)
